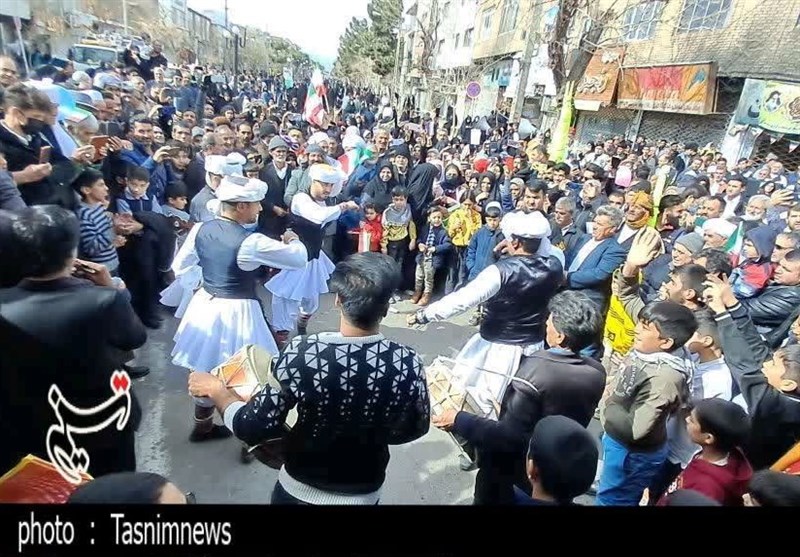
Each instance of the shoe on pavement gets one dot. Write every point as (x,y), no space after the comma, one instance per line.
(216,432)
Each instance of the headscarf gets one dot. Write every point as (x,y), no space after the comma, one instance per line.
(643,200)
(449,186)
(420,188)
(378,191)
(494,193)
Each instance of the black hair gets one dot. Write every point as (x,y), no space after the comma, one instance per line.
(725,420)
(576,317)
(793,256)
(562,167)
(530,245)
(695,190)
(597,170)
(435,208)
(175,190)
(775,489)
(617,192)
(537,186)
(738,178)
(692,278)
(707,325)
(138,173)
(672,320)
(643,172)
(86,178)
(178,146)
(25,97)
(370,205)
(719,198)
(124,488)
(791,361)
(364,282)
(668,202)
(718,262)
(400,191)
(492,212)
(47,237)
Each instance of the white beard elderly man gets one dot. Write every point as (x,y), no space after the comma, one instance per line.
(225,314)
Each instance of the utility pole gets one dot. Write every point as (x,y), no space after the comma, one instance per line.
(226,14)
(524,72)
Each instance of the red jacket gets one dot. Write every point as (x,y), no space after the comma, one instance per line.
(375,228)
(725,484)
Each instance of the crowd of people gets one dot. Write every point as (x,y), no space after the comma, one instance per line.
(651,285)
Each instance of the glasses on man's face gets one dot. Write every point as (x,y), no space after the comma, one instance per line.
(190,498)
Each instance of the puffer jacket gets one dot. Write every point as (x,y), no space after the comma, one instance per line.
(648,389)
(480,252)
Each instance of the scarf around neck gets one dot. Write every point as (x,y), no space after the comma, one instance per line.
(395,217)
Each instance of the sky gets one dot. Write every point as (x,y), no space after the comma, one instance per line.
(314,25)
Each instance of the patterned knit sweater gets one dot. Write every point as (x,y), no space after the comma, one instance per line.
(355,396)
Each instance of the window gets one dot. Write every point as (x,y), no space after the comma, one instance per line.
(510,11)
(468,37)
(640,21)
(458,40)
(699,15)
(486,26)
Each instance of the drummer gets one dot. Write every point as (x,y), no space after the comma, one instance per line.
(225,314)
(515,293)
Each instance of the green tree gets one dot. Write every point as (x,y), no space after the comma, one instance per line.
(386,16)
(367,47)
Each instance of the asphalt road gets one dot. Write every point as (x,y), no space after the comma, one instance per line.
(423,472)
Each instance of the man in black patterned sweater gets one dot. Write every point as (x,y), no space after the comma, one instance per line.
(355,391)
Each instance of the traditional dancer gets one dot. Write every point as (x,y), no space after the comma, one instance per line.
(514,292)
(295,292)
(188,279)
(225,314)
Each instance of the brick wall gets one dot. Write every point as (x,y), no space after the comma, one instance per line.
(760,40)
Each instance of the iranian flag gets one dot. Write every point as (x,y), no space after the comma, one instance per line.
(314,112)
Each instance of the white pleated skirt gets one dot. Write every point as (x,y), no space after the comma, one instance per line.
(486,369)
(214,329)
(179,294)
(308,282)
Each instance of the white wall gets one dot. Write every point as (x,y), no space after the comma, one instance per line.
(460,18)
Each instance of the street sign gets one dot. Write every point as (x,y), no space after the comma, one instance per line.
(473,89)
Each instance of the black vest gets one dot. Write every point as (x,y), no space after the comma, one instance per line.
(217,245)
(139,205)
(517,313)
(310,233)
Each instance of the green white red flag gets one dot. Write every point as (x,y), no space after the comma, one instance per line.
(314,112)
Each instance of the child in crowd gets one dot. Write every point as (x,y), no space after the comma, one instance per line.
(372,226)
(754,269)
(720,470)
(462,224)
(434,250)
(99,241)
(561,462)
(177,197)
(480,253)
(769,488)
(651,385)
(135,198)
(399,232)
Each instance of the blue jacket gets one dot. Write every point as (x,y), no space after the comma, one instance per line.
(594,274)
(480,252)
(442,244)
(158,171)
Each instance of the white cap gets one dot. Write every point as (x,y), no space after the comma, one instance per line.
(226,166)
(494,204)
(317,138)
(238,189)
(525,225)
(329,175)
(350,141)
(720,226)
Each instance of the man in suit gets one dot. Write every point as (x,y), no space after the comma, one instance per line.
(594,259)
(59,330)
(276,174)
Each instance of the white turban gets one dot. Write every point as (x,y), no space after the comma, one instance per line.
(719,226)
(352,142)
(231,165)
(532,225)
(238,189)
(329,175)
(317,138)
